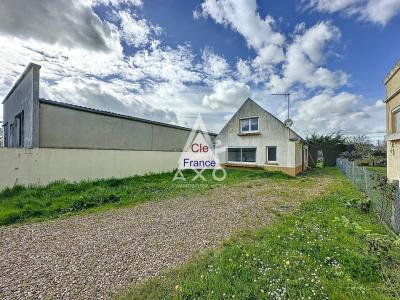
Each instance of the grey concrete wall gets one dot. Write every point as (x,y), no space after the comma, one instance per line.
(24,96)
(272,133)
(62,127)
(42,165)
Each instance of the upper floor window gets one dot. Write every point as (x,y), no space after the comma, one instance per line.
(396,120)
(249,124)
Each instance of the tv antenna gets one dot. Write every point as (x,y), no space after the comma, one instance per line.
(288,122)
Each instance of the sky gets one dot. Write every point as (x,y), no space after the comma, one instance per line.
(169,60)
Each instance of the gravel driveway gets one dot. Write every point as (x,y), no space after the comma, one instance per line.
(95,256)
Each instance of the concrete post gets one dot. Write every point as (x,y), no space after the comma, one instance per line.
(354,174)
(396,207)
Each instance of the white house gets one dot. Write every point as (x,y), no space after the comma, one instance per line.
(253,137)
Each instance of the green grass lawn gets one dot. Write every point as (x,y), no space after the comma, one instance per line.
(324,250)
(379,170)
(20,204)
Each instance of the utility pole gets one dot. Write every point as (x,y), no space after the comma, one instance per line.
(288,122)
(287,95)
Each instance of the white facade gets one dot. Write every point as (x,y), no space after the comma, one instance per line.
(40,166)
(262,131)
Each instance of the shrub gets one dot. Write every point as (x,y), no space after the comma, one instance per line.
(384,246)
(364,204)
(385,190)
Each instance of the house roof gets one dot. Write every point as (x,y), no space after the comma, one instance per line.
(112,114)
(292,131)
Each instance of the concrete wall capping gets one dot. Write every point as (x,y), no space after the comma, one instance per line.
(392,137)
(23,100)
(392,72)
(26,71)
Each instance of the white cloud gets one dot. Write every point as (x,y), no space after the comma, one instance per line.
(88,66)
(243,69)
(269,55)
(136,32)
(143,85)
(331,5)
(116,3)
(227,95)
(72,24)
(163,63)
(228,117)
(302,71)
(380,11)
(304,60)
(375,11)
(105,96)
(328,112)
(214,64)
(242,16)
(314,40)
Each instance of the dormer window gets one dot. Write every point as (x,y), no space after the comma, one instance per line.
(248,125)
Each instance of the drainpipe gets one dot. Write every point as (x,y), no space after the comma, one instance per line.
(302,157)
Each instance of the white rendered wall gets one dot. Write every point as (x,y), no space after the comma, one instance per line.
(44,165)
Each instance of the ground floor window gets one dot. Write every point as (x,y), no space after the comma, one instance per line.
(271,154)
(242,155)
(234,154)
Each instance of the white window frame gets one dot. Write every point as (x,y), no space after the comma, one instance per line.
(248,118)
(241,157)
(395,126)
(276,154)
